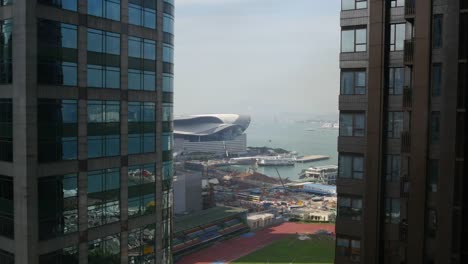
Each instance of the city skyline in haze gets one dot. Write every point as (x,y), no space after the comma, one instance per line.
(258,57)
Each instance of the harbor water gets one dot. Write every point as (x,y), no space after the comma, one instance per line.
(305,138)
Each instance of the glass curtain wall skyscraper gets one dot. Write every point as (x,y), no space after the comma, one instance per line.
(86,99)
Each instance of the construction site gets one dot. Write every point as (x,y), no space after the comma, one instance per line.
(213,202)
(257,192)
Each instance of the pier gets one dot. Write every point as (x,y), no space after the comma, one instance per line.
(311,158)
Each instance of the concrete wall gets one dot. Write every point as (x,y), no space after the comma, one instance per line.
(187,192)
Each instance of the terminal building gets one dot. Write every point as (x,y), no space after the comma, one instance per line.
(216,134)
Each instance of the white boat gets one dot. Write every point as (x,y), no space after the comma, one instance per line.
(276,161)
(326,125)
(330,125)
(324,174)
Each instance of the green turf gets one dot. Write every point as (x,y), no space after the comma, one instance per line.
(317,250)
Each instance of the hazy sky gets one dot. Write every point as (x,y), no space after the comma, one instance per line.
(256,56)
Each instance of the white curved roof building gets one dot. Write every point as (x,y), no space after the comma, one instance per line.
(213,133)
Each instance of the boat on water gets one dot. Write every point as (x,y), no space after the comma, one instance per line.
(276,161)
(320,174)
(330,125)
(243,161)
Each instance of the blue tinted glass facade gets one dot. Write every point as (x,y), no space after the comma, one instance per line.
(141,127)
(7,208)
(57,53)
(141,64)
(58,205)
(142,244)
(142,13)
(57,130)
(71,5)
(103,197)
(109,9)
(141,189)
(167,146)
(6,130)
(103,69)
(103,129)
(167,118)
(6,51)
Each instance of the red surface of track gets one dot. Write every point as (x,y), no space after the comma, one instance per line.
(235,248)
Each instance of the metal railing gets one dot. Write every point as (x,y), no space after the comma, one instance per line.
(409,52)
(403,234)
(407,98)
(405,142)
(410,8)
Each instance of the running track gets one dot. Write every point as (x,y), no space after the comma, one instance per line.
(230,250)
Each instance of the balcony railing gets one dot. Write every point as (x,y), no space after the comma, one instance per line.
(410,9)
(403,230)
(405,142)
(409,52)
(404,186)
(407,98)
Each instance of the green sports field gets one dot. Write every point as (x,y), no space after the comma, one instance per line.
(316,250)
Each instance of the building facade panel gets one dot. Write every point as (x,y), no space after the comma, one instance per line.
(412,118)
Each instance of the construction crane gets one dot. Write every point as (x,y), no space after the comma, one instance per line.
(281,180)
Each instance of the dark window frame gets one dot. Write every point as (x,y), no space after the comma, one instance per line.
(433,171)
(390,174)
(355,44)
(431,222)
(356,87)
(393,37)
(437,31)
(397,3)
(348,250)
(356,4)
(391,128)
(356,131)
(6,129)
(7,210)
(7,257)
(436,79)
(351,210)
(392,211)
(355,174)
(391,86)
(435,127)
